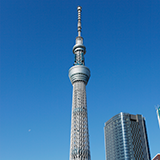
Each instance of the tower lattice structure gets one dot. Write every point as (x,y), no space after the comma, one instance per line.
(79,75)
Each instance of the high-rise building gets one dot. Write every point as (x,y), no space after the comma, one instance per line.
(157,157)
(79,75)
(158,115)
(126,138)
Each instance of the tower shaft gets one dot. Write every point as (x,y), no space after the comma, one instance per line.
(79,145)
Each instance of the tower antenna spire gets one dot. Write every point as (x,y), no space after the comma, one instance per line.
(79,27)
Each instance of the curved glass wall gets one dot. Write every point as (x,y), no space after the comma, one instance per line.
(125,138)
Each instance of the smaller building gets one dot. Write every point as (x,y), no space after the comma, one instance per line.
(157,157)
(158,115)
(126,138)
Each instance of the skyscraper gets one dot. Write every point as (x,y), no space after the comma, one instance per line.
(126,138)
(79,75)
(158,115)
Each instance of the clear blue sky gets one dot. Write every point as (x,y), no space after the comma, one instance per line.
(122,38)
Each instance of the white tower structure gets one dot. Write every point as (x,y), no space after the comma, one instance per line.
(79,75)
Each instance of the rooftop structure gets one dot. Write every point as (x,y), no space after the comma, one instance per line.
(157,157)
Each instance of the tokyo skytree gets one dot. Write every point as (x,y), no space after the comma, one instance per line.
(79,75)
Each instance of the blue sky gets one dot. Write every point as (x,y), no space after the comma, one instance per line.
(122,39)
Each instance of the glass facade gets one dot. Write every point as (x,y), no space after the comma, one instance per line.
(126,138)
(158,115)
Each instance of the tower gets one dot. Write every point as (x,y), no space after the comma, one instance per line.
(126,138)
(79,75)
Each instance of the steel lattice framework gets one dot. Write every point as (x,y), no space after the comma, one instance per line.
(79,75)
